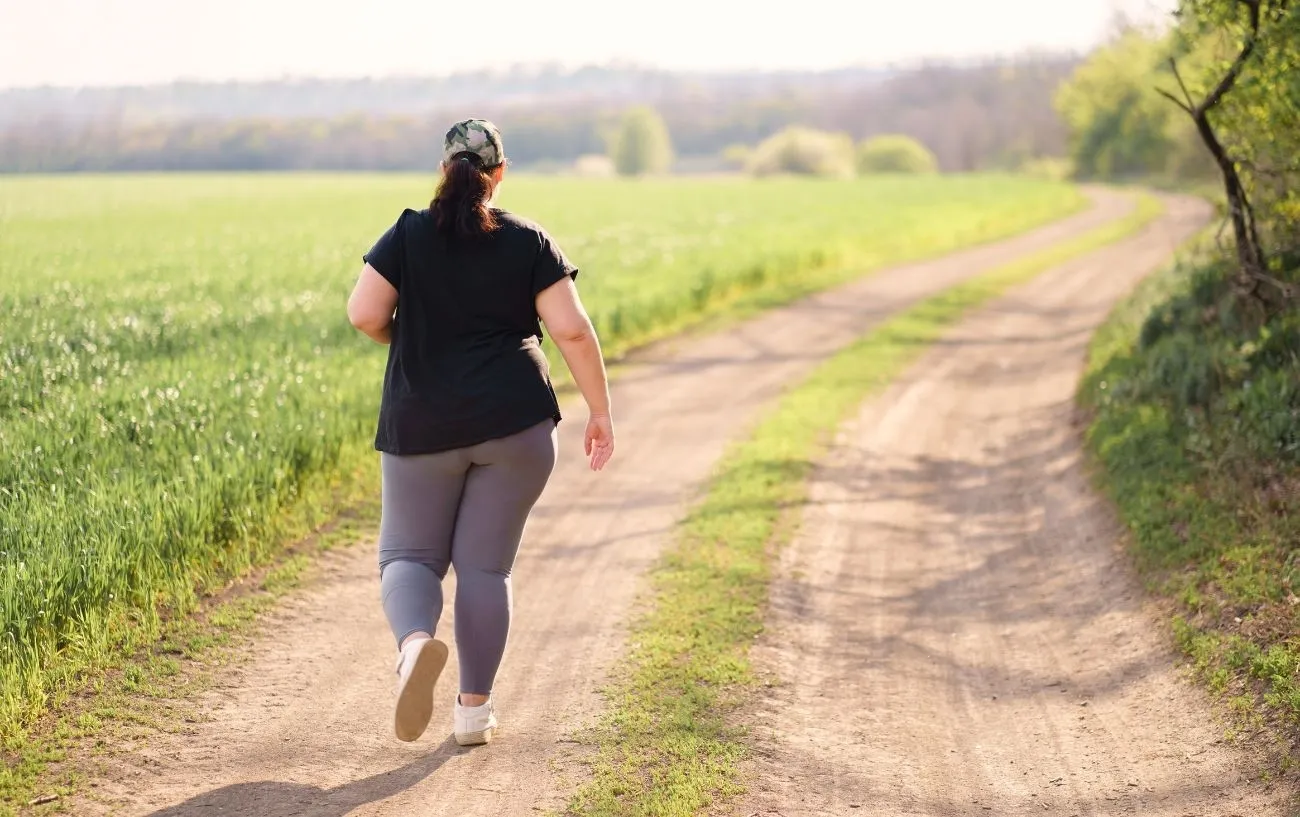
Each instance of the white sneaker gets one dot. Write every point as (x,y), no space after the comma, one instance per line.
(418,666)
(475,724)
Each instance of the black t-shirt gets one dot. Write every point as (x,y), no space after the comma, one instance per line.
(465,364)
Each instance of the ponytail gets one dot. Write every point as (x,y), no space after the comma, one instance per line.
(460,206)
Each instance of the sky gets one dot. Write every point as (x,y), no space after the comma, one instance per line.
(117,42)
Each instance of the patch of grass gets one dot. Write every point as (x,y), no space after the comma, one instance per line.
(1194,398)
(667,744)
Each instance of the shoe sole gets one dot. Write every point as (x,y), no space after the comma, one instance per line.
(415,700)
(476,738)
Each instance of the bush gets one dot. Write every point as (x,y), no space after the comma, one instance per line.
(1234,379)
(895,153)
(803,151)
(1268,411)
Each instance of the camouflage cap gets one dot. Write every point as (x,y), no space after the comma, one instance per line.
(477,136)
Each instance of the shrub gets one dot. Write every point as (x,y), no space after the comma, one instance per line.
(803,151)
(895,153)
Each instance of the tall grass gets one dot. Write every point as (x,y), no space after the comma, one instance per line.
(175,363)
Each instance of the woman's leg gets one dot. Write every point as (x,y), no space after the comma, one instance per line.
(421,496)
(502,486)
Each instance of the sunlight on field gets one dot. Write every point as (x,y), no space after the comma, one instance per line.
(175,359)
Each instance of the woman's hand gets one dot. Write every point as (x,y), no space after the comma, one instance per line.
(598,442)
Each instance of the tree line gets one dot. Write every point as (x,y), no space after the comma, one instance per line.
(990,115)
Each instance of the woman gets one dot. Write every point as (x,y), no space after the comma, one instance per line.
(467,420)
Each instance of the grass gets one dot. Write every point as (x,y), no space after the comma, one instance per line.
(146,685)
(1195,427)
(668,744)
(180,394)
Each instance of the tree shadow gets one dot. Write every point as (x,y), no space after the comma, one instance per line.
(1017,524)
(1028,531)
(270,798)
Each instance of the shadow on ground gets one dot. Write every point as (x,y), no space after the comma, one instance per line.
(268,798)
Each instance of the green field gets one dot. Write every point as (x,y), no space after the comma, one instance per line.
(176,366)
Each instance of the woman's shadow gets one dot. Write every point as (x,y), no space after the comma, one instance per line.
(271,799)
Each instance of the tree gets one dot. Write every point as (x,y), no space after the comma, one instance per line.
(895,153)
(804,151)
(1248,117)
(1229,66)
(1119,126)
(642,144)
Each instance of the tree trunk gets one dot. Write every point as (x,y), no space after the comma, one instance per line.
(1249,254)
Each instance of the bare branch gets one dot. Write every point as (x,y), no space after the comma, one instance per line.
(1176,101)
(1178,75)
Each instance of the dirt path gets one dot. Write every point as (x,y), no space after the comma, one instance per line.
(303,728)
(955,631)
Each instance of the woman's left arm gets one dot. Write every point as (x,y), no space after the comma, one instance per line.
(371,306)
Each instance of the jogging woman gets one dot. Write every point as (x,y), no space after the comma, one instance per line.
(467,419)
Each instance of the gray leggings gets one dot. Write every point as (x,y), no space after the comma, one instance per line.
(466,509)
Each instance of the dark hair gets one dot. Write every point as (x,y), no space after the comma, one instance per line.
(460,206)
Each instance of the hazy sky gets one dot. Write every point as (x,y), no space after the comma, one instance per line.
(108,42)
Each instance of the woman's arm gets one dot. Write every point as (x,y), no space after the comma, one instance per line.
(567,322)
(371,306)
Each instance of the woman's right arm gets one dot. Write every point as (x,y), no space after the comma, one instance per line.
(567,323)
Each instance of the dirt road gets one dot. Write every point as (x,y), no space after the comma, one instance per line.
(303,728)
(955,631)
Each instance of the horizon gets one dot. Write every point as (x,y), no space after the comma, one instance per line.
(112,44)
(568,69)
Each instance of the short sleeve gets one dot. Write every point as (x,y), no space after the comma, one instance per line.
(386,255)
(551,265)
